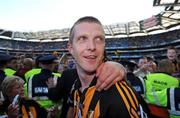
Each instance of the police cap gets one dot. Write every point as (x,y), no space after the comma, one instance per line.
(48,59)
(5,57)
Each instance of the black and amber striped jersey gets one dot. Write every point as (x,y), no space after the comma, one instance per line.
(28,108)
(119,101)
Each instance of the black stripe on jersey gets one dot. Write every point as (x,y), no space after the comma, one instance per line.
(133,95)
(111,97)
(132,110)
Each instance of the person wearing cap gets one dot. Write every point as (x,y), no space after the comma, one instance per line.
(35,86)
(4,59)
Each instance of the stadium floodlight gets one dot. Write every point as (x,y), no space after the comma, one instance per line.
(166,2)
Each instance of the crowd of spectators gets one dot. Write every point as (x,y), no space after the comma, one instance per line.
(129,42)
(143,41)
(130,47)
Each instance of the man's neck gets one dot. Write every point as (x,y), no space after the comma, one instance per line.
(85,79)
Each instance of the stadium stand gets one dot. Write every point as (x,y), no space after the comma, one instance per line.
(131,40)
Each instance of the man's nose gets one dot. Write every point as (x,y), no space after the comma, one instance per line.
(91,45)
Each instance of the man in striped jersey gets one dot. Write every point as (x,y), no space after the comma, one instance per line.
(87,45)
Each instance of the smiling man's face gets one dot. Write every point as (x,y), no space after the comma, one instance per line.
(87,46)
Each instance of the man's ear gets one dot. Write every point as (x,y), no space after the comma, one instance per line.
(69,46)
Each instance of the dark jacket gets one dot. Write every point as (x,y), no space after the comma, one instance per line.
(63,88)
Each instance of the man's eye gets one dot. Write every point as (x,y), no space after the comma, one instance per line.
(99,39)
(83,38)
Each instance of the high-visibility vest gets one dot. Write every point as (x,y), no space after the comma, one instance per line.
(42,100)
(9,71)
(163,90)
(160,81)
(171,100)
(28,74)
(156,85)
(32,72)
(174,102)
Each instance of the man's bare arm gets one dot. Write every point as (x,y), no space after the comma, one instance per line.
(108,73)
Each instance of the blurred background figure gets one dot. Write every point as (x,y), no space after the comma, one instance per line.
(36,87)
(4,71)
(172,55)
(146,65)
(25,108)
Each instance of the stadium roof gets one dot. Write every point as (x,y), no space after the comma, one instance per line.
(162,22)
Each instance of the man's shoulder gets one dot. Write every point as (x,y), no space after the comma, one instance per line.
(32,72)
(121,88)
(114,89)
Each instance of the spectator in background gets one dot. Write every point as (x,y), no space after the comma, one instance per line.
(25,108)
(157,85)
(145,67)
(35,86)
(4,71)
(27,64)
(152,63)
(135,82)
(153,87)
(3,63)
(172,58)
(12,66)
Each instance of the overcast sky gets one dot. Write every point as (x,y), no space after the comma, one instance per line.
(38,15)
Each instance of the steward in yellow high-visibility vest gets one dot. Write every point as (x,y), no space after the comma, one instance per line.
(36,87)
(158,91)
(9,71)
(11,68)
(4,58)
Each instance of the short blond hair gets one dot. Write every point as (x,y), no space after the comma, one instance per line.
(8,84)
(87,19)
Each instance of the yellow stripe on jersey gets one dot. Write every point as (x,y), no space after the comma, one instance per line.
(134,96)
(124,98)
(130,105)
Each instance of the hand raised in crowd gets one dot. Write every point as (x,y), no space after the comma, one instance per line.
(108,73)
(52,112)
(13,112)
(50,83)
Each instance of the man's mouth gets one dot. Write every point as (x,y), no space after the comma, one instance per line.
(90,57)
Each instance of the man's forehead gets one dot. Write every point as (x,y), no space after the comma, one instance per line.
(171,50)
(88,26)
